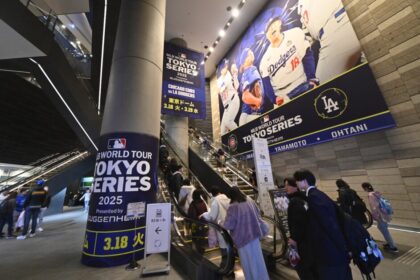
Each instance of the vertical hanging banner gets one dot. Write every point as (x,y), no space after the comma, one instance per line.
(183,88)
(264,172)
(125,181)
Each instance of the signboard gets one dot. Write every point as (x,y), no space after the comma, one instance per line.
(124,182)
(280,203)
(298,77)
(264,173)
(183,86)
(158,228)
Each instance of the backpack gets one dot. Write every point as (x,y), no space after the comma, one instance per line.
(385,206)
(357,203)
(365,252)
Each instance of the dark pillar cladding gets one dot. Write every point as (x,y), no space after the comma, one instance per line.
(126,163)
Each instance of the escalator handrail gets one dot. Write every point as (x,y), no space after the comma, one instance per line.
(68,157)
(228,156)
(42,166)
(237,174)
(226,236)
(30,169)
(182,162)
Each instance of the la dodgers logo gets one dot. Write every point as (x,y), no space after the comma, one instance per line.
(331,103)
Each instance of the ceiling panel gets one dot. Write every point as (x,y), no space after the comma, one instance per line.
(198,22)
(15,45)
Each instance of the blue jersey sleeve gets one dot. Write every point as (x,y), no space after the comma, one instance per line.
(309,64)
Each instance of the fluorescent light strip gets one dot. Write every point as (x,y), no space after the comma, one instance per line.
(102,57)
(52,169)
(62,99)
(15,71)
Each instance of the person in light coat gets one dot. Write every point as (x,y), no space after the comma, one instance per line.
(217,214)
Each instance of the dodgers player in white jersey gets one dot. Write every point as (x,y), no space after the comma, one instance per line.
(327,22)
(230,99)
(288,62)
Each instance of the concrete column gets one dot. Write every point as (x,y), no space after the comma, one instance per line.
(176,126)
(126,163)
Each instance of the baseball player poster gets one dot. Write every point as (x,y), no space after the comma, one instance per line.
(298,77)
(183,89)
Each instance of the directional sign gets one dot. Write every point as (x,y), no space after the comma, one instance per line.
(158,223)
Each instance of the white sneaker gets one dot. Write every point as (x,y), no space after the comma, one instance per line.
(40,229)
(21,237)
(31,235)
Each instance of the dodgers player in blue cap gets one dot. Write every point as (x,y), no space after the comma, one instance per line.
(251,88)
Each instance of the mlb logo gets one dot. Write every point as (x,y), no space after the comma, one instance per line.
(117,143)
(183,55)
(266,118)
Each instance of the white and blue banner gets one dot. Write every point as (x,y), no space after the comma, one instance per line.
(183,89)
(298,77)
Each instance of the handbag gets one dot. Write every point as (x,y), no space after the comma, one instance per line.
(264,227)
(293,255)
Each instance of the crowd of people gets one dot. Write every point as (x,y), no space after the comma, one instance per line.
(23,209)
(316,233)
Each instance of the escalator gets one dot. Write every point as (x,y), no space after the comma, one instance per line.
(58,171)
(229,172)
(273,245)
(192,253)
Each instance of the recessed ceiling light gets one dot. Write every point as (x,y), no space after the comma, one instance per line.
(63,26)
(211,49)
(235,13)
(243,1)
(222,33)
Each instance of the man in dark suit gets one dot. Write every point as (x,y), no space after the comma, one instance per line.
(330,252)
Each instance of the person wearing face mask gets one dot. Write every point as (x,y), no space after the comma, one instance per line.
(297,219)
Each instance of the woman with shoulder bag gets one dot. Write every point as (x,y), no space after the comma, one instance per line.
(246,227)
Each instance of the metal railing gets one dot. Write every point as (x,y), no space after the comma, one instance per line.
(277,238)
(43,169)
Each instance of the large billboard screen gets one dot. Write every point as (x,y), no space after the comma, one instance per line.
(298,77)
(183,89)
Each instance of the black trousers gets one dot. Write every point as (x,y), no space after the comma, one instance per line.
(341,272)
(7,218)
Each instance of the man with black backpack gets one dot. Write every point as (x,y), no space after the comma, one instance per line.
(350,202)
(330,250)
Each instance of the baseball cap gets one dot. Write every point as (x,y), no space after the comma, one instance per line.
(224,63)
(243,56)
(40,182)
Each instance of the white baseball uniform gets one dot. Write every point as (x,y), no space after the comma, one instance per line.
(327,22)
(231,103)
(283,64)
